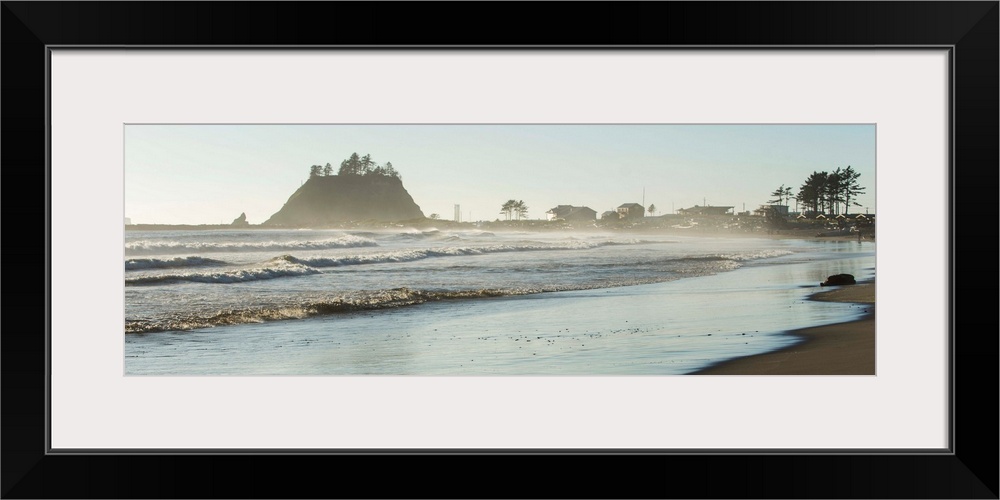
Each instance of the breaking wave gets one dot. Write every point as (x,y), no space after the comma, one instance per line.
(154,246)
(232,276)
(737,257)
(412,255)
(137,264)
(348,303)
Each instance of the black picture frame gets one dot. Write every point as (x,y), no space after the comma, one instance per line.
(970,470)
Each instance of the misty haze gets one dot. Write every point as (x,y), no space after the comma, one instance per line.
(499,249)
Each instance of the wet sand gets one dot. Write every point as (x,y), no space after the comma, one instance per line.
(838,349)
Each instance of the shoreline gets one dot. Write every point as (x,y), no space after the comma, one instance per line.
(847,348)
(796,233)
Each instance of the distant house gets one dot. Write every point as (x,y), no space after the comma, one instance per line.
(781,210)
(558,212)
(610,215)
(706,210)
(631,211)
(571,213)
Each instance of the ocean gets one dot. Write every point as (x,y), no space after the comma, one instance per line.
(469,302)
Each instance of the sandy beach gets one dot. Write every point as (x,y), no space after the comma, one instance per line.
(838,349)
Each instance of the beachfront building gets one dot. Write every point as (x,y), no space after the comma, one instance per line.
(631,211)
(571,213)
(610,215)
(709,210)
(781,210)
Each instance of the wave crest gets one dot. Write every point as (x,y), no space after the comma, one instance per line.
(232,276)
(158,246)
(194,261)
(413,255)
(348,303)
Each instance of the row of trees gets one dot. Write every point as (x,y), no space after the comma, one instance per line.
(356,165)
(825,192)
(514,208)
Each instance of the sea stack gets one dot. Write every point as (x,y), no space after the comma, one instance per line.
(333,199)
(241,221)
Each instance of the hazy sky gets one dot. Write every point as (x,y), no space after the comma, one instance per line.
(209,174)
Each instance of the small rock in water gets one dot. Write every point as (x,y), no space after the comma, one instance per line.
(839,279)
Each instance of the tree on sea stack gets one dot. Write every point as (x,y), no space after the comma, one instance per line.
(366,164)
(354,164)
(362,194)
(391,172)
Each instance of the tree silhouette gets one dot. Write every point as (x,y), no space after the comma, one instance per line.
(521,209)
(773,219)
(824,191)
(652,209)
(779,194)
(832,191)
(391,172)
(851,188)
(315,171)
(812,191)
(366,164)
(354,164)
(508,208)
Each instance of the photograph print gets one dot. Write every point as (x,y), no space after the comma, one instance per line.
(499,250)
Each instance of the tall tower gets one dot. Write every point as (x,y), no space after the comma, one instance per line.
(458,213)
